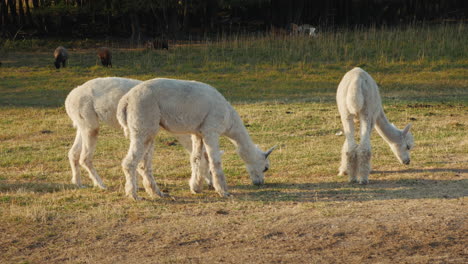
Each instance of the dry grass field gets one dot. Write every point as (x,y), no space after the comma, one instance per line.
(303,214)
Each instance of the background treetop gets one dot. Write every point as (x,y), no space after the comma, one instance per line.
(191,19)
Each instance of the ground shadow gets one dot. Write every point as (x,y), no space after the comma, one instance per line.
(415,188)
(421,171)
(344,191)
(6,186)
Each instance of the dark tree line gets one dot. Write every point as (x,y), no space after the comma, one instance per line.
(140,19)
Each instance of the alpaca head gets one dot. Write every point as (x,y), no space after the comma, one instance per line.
(259,166)
(402,148)
(57,64)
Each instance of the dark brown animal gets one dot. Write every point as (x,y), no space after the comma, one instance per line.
(61,57)
(157,44)
(105,56)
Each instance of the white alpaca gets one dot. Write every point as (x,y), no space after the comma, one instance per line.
(185,107)
(307,29)
(358,98)
(96,101)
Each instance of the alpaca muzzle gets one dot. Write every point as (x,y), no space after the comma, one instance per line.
(258,182)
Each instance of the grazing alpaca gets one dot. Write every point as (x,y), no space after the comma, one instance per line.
(302,29)
(293,28)
(358,98)
(105,56)
(96,101)
(307,29)
(157,44)
(61,57)
(185,107)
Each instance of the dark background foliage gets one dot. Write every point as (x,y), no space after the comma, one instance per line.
(192,19)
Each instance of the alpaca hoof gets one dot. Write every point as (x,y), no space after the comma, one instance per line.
(195,188)
(134,197)
(363,182)
(342,173)
(163,194)
(224,194)
(100,186)
(195,191)
(352,180)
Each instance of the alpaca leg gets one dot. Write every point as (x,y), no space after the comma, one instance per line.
(145,169)
(211,143)
(196,181)
(342,171)
(364,151)
(89,138)
(205,169)
(186,142)
(348,152)
(364,157)
(352,163)
(74,157)
(129,165)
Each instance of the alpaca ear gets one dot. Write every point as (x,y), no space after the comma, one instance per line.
(406,129)
(269,151)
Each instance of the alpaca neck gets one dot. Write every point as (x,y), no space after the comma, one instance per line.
(386,130)
(239,136)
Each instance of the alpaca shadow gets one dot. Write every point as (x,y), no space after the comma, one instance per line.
(416,188)
(344,191)
(208,196)
(421,171)
(35,187)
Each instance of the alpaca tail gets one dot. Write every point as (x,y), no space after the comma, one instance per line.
(355,98)
(69,108)
(122,114)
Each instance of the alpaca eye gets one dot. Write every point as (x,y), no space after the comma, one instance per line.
(408,147)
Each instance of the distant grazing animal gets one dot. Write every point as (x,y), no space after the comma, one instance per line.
(185,107)
(61,57)
(105,56)
(157,44)
(358,98)
(307,29)
(293,28)
(302,29)
(96,101)
(278,31)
